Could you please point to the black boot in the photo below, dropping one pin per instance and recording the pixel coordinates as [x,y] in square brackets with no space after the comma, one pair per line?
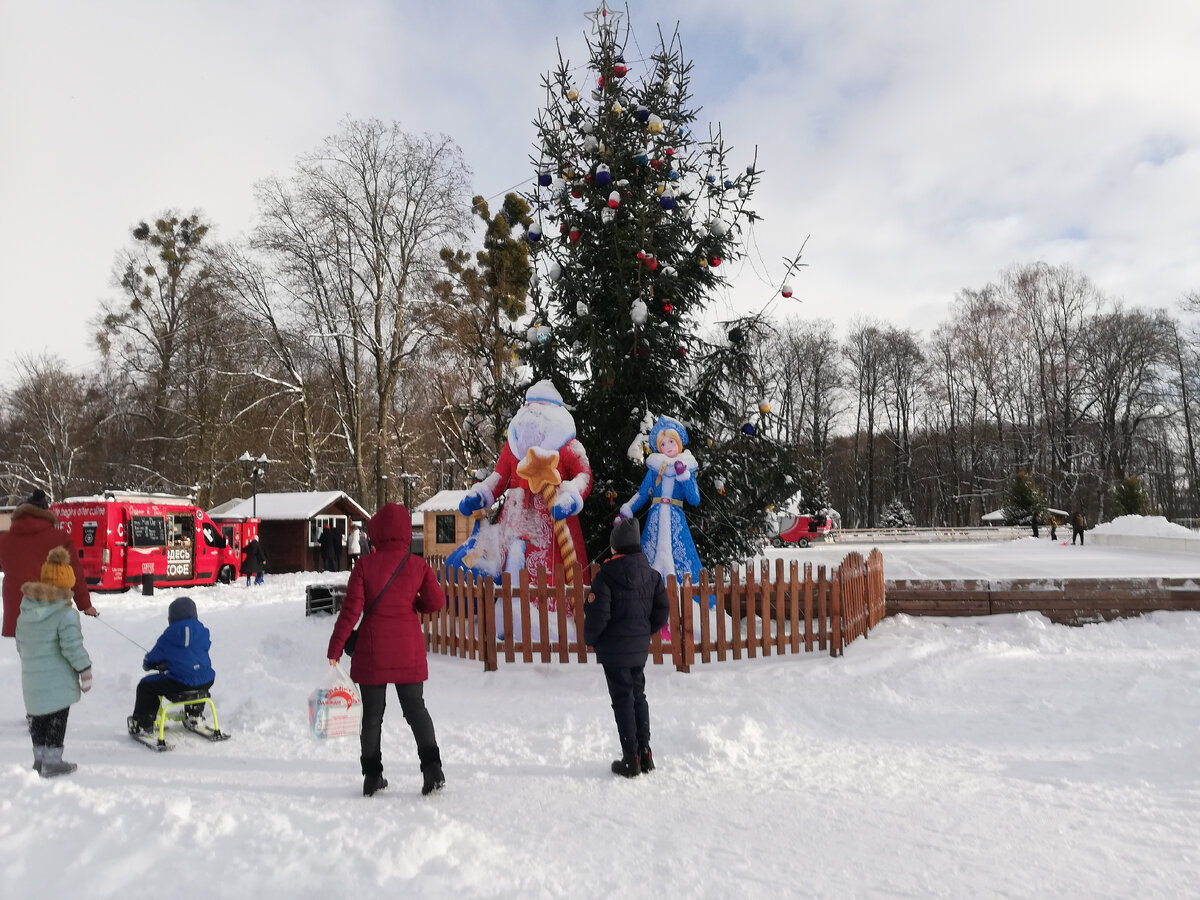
[646,760]
[627,766]
[373,780]
[431,769]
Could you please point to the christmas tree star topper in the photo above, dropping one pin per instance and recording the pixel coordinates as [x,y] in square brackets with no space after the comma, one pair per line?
[603,18]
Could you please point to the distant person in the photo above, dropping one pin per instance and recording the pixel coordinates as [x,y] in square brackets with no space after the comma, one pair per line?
[331,549]
[1053,520]
[55,669]
[254,562]
[355,542]
[391,589]
[1035,518]
[181,659]
[23,548]
[626,605]
[1078,524]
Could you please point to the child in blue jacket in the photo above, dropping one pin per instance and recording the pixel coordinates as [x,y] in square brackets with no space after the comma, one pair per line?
[181,658]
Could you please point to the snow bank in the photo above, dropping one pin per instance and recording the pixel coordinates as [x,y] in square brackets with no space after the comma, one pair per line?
[1151,533]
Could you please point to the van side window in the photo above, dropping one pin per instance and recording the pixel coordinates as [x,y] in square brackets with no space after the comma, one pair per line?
[147,531]
[212,537]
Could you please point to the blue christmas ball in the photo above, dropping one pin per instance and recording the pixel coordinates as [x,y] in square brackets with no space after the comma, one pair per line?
[642,114]
[666,201]
[749,428]
[712,179]
[544,179]
[672,174]
[603,178]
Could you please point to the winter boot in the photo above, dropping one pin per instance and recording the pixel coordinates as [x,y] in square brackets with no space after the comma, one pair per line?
[373,780]
[627,766]
[431,769]
[39,754]
[646,760]
[52,763]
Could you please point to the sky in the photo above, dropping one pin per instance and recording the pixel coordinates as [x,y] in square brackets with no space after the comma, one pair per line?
[1000,756]
[919,147]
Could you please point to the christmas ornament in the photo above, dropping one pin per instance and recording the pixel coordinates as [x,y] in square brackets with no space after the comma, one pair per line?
[654,124]
[749,428]
[572,95]
[607,215]
[749,170]
[718,227]
[544,179]
[614,199]
[703,262]
[651,263]
[764,407]
[669,270]
[715,261]
[555,271]
[638,312]
[581,309]
[603,175]
[667,200]
[718,482]
[642,114]
[573,235]
[611,497]
[590,144]
[534,234]
[642,158]
[786,290]
[617,109]
[670,151]
[668,308]
[641,255]
[619,70]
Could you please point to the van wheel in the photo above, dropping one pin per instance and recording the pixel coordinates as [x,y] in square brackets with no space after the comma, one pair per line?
[777,541]
[225,576]
[803,542]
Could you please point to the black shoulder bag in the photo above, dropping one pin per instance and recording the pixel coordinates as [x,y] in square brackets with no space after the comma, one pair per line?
[352,641]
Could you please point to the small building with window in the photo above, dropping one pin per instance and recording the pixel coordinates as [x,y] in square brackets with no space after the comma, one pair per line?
[444,526]
[291,522]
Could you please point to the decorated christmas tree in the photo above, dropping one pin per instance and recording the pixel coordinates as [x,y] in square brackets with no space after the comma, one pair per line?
[635,220]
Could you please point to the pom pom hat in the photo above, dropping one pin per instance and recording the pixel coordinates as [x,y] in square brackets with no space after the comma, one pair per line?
[626,536]
[57,571]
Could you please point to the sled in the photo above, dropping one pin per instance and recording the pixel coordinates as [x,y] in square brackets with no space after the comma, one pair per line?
[186,708]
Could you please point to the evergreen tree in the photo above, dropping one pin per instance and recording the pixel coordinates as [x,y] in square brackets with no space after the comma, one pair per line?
[1023,501]
[897,515]
[1130,498]
[635,220]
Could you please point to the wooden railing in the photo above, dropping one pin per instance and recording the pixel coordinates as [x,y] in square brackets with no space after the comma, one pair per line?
[758,609]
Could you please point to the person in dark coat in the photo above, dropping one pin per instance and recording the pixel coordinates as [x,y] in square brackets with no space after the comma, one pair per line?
[23,548]
[181,659]
[254,562]
[330,542]
[626,605]
[391,645]
[1078,524]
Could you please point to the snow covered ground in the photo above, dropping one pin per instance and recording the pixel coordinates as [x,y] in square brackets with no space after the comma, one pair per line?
[957,758]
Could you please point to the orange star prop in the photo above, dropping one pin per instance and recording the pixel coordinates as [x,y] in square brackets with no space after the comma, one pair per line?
[540,469]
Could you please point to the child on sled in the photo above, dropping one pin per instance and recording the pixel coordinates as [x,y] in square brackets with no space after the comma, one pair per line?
[180,657]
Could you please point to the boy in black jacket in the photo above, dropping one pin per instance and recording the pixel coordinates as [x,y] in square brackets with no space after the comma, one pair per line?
[627,604]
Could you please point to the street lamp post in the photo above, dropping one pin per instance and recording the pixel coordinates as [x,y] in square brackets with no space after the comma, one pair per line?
[254,469]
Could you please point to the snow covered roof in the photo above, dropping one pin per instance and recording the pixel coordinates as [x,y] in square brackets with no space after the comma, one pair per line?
[286,505]
[997,515]
[442,501]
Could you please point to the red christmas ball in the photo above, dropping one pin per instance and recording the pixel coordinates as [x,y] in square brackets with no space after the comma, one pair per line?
[670,151]
[573,235]
[651,263]
[619,70]
[668,308]
[715,261]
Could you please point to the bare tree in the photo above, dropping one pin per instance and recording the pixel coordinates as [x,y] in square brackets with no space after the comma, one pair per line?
[356,234]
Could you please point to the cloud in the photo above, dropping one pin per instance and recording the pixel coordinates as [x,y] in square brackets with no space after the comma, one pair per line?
[921,147]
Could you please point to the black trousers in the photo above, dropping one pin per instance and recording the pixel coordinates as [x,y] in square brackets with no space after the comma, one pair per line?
[412,704]
[627,689]
[329,562]
[49,730]
[1077,533]
[150,688]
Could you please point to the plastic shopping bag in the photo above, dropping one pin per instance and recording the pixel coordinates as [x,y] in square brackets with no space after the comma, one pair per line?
[335,708]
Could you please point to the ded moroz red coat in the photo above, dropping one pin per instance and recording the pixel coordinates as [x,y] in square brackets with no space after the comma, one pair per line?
[34,533]
[391,644]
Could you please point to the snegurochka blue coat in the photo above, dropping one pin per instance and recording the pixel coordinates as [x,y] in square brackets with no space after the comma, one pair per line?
[51,647]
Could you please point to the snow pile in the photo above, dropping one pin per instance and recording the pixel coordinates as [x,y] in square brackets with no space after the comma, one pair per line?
[999,756]
[1144,526]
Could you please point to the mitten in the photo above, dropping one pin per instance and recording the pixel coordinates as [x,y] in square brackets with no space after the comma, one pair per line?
[566,504]
[626,513]
[471,502]
[682,473]
[85,680]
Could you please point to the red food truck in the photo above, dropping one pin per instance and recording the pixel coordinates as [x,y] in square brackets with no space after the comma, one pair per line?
[124,537]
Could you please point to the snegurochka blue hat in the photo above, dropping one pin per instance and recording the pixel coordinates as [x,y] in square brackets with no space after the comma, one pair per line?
[666,423]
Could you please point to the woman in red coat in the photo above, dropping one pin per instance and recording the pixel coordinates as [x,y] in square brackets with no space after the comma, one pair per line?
[34,533]
[391,644]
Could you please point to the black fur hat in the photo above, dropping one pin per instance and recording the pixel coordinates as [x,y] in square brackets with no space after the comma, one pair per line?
[39,499]
[626,537]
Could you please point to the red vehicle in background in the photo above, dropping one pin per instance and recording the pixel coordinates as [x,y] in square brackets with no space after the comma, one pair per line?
[802,530]
[124,537]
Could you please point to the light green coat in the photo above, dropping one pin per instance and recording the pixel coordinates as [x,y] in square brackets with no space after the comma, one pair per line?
[51,646]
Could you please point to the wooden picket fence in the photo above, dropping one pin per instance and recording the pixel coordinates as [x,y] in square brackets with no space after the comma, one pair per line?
[757,612]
